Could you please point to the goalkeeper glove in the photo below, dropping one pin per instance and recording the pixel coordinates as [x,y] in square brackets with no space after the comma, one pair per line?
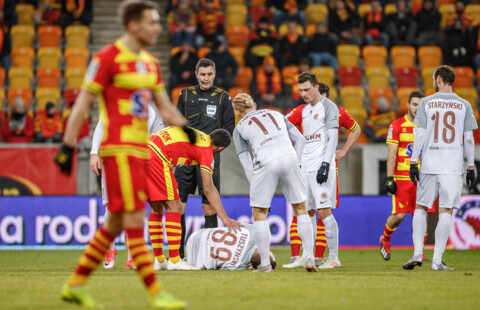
[414,175]
[64,159]
[322,174]
[192,135]
[390,185]
[471,180]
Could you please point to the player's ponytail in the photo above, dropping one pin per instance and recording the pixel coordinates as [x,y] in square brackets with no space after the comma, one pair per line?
[243,102]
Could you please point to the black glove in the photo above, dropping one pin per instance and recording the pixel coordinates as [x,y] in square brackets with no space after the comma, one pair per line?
[471,180]
[192,135]
[414,175]
[391,186]
[322,174]
[64,159]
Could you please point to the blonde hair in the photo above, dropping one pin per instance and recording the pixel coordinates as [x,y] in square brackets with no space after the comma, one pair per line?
[243,102]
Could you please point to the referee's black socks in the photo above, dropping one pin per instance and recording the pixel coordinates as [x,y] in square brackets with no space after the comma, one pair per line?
[211,221]
[182,242]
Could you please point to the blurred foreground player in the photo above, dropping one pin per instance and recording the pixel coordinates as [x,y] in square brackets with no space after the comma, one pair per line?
[126,78]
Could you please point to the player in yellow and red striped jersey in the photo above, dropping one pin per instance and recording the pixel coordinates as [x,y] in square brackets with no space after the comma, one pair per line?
[170,147]
[348,122]
[400,145]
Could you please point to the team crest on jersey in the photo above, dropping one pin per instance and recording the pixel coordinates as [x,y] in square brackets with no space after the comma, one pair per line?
[140,100]
[465,233]
[315,117]
[323,195]
[211,110]
[141,68]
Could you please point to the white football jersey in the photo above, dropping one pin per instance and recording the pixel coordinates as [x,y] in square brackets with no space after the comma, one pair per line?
[266,132]
[445,117]
[216,248]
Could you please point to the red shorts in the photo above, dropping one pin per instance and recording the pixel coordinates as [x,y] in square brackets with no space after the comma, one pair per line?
[161,182]
[404,201]
[125,180]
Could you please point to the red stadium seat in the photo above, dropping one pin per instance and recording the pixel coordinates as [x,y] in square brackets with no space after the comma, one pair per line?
[350,76]
[69,96]
[406,77]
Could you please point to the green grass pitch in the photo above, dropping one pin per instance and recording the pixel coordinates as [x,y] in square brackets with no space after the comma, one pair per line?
[32,280]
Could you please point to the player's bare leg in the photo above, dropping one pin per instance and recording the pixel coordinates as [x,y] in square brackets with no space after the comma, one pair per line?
[441,237]
[419,227]
[262,238]
[156,234]
[331,234]
[392,223]
[305,231]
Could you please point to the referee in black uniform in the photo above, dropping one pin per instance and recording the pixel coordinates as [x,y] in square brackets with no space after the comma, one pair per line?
[206,108]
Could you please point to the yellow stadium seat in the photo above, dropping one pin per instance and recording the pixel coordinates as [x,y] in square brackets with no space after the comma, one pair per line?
[45,95]
[25,94]
[244,77]
[22,36]
[429,56]
[311,29]
[352,97]
[48,77]
[390,8]
[325,75]
[403,56]
[237,35]
[49,57]
[24,13]
[316,13]
[469,94]
[376,93]
[347,55]
[473,12]
[283,30]
[378,77]
[333,94]
[236,15]
[231,2]
[22,57]
[20,77]
[76,57]
[402,98]
[446,10]
[463,77]
[74,77]
[238,53]
[289,73]
[360,115]
[374,56]
[2,77]
[49,36]
[77,36]
[363,9]
[427,76]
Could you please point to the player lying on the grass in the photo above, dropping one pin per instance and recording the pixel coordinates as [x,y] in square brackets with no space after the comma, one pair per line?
[221,249]
[170,147]
[269,135]
[154,123]
[349,123]
[444,127]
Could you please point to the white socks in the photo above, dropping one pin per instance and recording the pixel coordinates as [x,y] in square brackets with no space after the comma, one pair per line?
[314,226]
[441,236]
[262,238]
[105,217]
[419,227]
[304,228]
[331,234]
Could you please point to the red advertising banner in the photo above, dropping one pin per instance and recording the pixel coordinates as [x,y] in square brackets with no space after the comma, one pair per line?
[29,169]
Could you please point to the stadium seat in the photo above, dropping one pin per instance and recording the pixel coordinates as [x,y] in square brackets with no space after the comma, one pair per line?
[390,8]
[231,2]
[350,76]
[416,6]
[237,35]
[325,75]
[76,57]
[238,53]
[283,30]
[48,77]
[244,77]
[74,77]
[402,98]
[20,77]
[316,13]
[24,13]
[429,91]
[77,36]
[378,77]
[406,77]
[203,51]
[429,56]
[22,36]
[360,115]
[49,36]
[469,94]
[259,10]
[236,15]
[347,55]
[2,98]
[473,12]
[45,95]
[427,76]
[352,97]
[446,10]
[24,93]
[289,73]
[403,56]
[258,2]
[333,94]
[310,31]
[2,77]
[69,96]
[49,57]
[375,93]
[374,56]
[22,57]
[463,77]
[175,93]
[363,9]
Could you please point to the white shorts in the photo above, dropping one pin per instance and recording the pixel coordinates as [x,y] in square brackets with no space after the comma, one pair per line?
[265,180]
[447,186]
[321,196]
[104,188]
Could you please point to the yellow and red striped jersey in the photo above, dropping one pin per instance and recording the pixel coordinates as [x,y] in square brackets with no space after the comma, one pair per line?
[125,83]
[401,134]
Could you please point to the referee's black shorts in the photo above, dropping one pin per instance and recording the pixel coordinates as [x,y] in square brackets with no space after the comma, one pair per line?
[189,178]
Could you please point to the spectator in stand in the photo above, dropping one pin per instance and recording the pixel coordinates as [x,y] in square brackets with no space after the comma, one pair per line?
[459,14]
[474,43]
[84,130]
[303,66]
[77,11]
[267,84]
[18,126]
[456,45]
[225,64]
[292,46]
[263,40]
[374,24]
[428,23]
[9,14]
[182,67]
[401,26]
[344,23]
[377,125]
[283,10]
[182,23]
[49,11]
[210,25]
[322,47]
[48,125]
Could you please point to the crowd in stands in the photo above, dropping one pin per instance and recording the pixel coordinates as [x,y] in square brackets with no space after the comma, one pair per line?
[43,58]
[374,51]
